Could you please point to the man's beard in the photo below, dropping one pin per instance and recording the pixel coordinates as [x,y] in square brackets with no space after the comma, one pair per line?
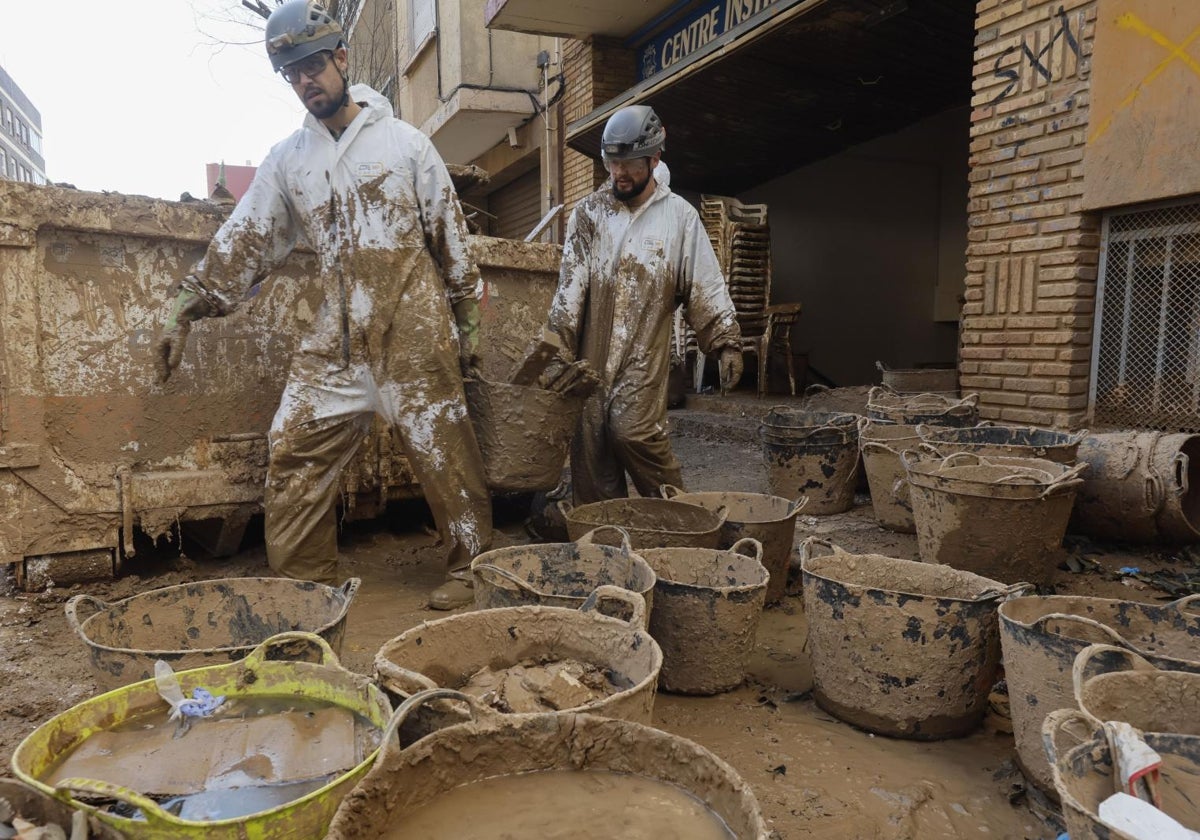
[332,106]
[632,192]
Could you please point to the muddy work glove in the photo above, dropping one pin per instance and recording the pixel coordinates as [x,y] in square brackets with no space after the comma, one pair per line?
[466,317]
[730,367]
[168,349]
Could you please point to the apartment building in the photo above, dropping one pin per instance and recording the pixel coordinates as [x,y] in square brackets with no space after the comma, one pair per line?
[21,157]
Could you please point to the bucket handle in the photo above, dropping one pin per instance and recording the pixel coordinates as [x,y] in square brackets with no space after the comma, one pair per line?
[1180,462]
[797,506]
[590,537]
[388,671]
[564,507]
[1039,626]
[807,544]
[1056,727]
[66,790]
[391,737]
[722,513]
[326,656]
[1065,483]
[1012,590]
[72,610]
[1085,657]
[748,547]
[1154,493]
[1186,601]
[669,491]
[485,569]
[635,602]
[866,446]
[350,588]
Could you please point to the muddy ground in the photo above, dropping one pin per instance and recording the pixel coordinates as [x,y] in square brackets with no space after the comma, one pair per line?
[814,776]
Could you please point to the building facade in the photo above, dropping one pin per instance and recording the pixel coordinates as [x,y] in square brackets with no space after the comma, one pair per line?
[1009,186]
[21,157]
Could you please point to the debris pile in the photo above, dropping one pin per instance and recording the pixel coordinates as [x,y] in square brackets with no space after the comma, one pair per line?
[531,686]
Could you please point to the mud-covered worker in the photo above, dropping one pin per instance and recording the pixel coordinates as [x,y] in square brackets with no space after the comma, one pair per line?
[634,251]
[372,197]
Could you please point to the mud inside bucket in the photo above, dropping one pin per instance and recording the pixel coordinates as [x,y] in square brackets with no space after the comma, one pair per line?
[206,623]
[452,652]
[515,774]
[650,523]
[1041,637]
[899,647]
[560,574]
[1083,774]
[769,519]
[707,609]
[523,433]
[1129,688]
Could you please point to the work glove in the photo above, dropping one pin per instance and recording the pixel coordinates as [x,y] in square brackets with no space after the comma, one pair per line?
[168,349]
[730,367]
[466,317]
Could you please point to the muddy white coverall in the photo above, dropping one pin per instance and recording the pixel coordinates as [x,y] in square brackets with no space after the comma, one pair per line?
[378,207]
[623,275]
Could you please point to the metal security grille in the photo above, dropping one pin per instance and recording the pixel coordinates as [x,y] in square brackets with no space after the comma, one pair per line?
[1146,362]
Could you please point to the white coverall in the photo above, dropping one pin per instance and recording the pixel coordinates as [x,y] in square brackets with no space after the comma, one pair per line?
[623,275]
[378,207]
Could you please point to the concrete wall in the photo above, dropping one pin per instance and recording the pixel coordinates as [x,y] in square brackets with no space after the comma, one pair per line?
[868,241]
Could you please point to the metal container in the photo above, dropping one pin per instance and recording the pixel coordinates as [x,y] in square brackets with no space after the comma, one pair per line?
[1082,767]
[881,444]
[898,647]
[260,674]
[1001,518]
[932,409]
[769,519]
[502,745]
[207,623]
[1140,487]
[1041,636]
[649,523]
[447,652]
[1005,441]
[707,608]
[559,574]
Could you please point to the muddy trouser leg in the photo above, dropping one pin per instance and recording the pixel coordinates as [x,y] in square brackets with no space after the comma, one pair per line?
[441,446]
[596,474]
[638,431]
[317,430]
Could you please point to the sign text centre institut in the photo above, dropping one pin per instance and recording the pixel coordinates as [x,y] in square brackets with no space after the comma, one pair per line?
[694,32]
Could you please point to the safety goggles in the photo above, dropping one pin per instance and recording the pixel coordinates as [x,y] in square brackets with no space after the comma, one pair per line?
[312,67]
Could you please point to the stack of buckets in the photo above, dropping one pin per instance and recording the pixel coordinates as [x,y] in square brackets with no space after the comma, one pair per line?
[813,454]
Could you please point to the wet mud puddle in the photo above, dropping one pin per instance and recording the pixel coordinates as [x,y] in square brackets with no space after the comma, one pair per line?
[251,755]
[561,804]
[533,686]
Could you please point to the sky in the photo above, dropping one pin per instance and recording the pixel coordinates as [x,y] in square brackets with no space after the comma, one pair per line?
[137,96]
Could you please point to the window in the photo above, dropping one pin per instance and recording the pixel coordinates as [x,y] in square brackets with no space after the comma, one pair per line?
[1146,359]
[35,142]
[422,19]
[7,117]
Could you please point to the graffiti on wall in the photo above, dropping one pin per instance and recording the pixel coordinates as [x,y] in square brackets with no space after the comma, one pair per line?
[1038,57]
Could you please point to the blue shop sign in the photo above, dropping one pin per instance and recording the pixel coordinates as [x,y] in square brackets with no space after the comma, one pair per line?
[694,32]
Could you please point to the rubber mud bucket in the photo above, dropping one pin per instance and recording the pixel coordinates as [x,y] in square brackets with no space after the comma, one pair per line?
[898,647]
[1134,691]
[517,765]
[40,809]
[449,652]
[523,433]
[1005,441]
[559,574]
[1083,773]
[707,608]
[1001,518]
[931,409]
[259,678]
[821,464]
[207,623]
[1140,487]
[783,421]
[940,381]
[1040,637]
[769,519]
[881,445]
[650,523]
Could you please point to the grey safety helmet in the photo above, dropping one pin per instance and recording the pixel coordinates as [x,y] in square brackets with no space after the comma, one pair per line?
[298,29]
[632,132]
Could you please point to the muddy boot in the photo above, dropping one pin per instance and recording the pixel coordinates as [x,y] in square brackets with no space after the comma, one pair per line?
[454,593]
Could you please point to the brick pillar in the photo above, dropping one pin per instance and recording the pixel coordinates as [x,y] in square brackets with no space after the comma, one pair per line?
[1032,254]
[596,70]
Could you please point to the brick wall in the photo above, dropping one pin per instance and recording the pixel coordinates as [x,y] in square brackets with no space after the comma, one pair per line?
[597,70]
[1032,253]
